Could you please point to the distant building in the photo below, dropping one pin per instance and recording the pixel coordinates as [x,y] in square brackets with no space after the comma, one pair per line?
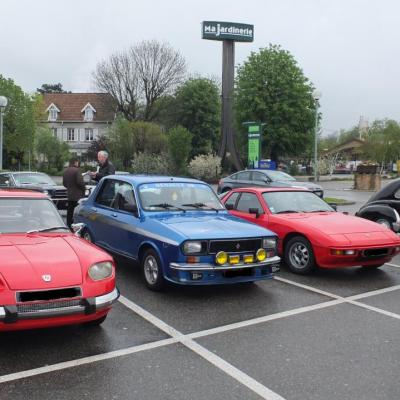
[79,118]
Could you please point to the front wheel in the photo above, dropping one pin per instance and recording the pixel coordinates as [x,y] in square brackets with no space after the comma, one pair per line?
[384,222]
[151,270]
[299,255]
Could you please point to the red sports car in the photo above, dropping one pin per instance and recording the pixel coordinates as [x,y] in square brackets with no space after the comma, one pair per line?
[311,233]
[48,276]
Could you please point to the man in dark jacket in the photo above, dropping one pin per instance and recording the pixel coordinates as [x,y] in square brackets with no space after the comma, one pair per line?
[73,181]
[105,167]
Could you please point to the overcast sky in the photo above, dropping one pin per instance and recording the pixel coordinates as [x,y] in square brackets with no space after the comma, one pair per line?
[349,49]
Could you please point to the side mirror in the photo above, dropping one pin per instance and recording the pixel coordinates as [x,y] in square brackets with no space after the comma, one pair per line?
[77,228]
[254,211]
[229,206]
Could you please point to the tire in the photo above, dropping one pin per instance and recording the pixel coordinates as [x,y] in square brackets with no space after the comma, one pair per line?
[152,271]
[299,255]
[384,222]
[374,266]
[87,236]
[96,322]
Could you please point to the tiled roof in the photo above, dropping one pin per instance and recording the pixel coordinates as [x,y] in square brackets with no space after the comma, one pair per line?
[71,105]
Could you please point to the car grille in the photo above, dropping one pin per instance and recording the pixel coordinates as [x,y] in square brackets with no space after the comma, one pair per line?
[48,305]
[372,253]
[235,246]
[47,295]
[59,194]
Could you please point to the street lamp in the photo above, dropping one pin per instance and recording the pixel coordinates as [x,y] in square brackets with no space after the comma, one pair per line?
[3,104]
[316,96]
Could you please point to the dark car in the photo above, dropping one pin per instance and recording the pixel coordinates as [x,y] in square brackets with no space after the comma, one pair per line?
[36,181]
[265,178]
[384,206]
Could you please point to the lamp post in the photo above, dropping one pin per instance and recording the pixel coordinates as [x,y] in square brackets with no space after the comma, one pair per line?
[316,96]
[3,104]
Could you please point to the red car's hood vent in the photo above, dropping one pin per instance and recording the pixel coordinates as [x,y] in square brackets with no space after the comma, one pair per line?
[35,262]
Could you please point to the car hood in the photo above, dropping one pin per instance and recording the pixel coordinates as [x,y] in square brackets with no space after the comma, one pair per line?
[205,225]
[345,229]
[26,258]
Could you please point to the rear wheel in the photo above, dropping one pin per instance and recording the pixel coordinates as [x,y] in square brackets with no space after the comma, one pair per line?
[151,270]
[384,222]
[87,236]
[299,255]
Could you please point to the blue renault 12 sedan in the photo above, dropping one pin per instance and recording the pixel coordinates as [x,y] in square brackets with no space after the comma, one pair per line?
[178,231]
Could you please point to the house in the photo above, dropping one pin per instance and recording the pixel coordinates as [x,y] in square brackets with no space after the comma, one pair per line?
[79,118]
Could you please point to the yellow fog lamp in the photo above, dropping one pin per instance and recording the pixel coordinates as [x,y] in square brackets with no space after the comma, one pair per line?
[221,258]
[261,255]
[234,259]
[248,258]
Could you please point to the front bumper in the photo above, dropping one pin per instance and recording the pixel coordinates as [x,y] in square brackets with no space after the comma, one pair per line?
[13,313]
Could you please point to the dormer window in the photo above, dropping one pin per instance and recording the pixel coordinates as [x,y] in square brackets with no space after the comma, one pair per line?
[53,111]
[89,112]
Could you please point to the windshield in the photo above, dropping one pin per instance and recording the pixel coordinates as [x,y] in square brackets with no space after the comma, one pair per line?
[280,176]
[176,196]
[33,179]
[281,202]
[23,215]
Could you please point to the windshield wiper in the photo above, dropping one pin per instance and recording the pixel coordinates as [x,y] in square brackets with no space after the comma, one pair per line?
[287,212]
[200,205]
[47,229]
[167,206]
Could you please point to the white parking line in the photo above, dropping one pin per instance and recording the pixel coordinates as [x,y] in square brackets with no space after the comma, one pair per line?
[217,361]
[392,265]
[86,360]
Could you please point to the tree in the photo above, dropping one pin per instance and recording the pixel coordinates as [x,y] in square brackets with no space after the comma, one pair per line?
[198,110]
[271,88]
[179,146]
[97,145]
[51,88]
[130,137]
[138,77]
[19,123]
[52,152]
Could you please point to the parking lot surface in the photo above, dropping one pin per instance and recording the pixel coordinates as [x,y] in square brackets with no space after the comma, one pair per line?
[331,335]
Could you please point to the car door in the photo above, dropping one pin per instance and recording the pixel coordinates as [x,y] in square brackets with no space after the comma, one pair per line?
[260,179]
[243,179]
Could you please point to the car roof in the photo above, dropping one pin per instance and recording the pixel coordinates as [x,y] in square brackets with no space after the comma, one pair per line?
[22,172]
[21,193]
[139,179]
[269,189]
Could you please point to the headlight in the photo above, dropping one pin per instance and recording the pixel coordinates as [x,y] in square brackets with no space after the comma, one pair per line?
[269,243]
[193,247]
[261,255]
[221,258]
[101,270]
[45,191]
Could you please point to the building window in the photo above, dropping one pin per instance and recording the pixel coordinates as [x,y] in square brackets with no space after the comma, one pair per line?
[70,134]
[53,114]
[88,114]
[88,134]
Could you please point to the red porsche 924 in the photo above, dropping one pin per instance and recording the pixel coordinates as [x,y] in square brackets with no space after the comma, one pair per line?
[48,276]
[311,233]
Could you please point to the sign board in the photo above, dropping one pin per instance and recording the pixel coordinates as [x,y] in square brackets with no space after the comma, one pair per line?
[214,30]
[266,164]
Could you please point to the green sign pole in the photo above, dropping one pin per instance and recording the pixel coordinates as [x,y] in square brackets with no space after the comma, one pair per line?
[254,131]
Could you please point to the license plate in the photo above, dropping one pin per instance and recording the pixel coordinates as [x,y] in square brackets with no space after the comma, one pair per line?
[275,268]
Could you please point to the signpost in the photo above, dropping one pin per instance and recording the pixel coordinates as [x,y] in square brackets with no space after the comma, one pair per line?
[229,33]
[254,131]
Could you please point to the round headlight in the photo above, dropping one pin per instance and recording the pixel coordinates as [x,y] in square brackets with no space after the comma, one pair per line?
[221,258]
[45,191]
[102,270]
[261,255]
[192,247]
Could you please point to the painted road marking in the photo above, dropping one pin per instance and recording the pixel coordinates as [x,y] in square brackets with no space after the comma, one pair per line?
[392,265]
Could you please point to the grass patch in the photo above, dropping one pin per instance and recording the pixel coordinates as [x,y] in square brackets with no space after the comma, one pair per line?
[339,202]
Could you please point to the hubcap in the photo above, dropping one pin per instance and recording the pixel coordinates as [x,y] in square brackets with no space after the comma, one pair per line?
[383,222]
[151,270]
[299,255]
[87,237]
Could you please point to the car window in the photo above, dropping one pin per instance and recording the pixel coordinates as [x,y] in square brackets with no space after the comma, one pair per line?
[5,180]
[234,176]
[232,200]
[258,176]
[107,192]
[248,200]
[124,198]
[243,176]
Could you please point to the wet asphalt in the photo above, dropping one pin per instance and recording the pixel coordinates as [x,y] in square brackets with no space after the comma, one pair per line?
[295,337]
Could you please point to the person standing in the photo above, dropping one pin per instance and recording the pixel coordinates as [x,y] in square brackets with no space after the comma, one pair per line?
[105,167]
[73,181]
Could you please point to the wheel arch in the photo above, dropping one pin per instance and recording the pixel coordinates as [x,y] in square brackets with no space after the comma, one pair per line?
[150,246]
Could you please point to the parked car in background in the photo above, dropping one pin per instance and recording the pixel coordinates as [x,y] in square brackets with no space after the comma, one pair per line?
[265,178]
[384,206]
[48,276]
[311,233]
[36,181]
[177,230]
